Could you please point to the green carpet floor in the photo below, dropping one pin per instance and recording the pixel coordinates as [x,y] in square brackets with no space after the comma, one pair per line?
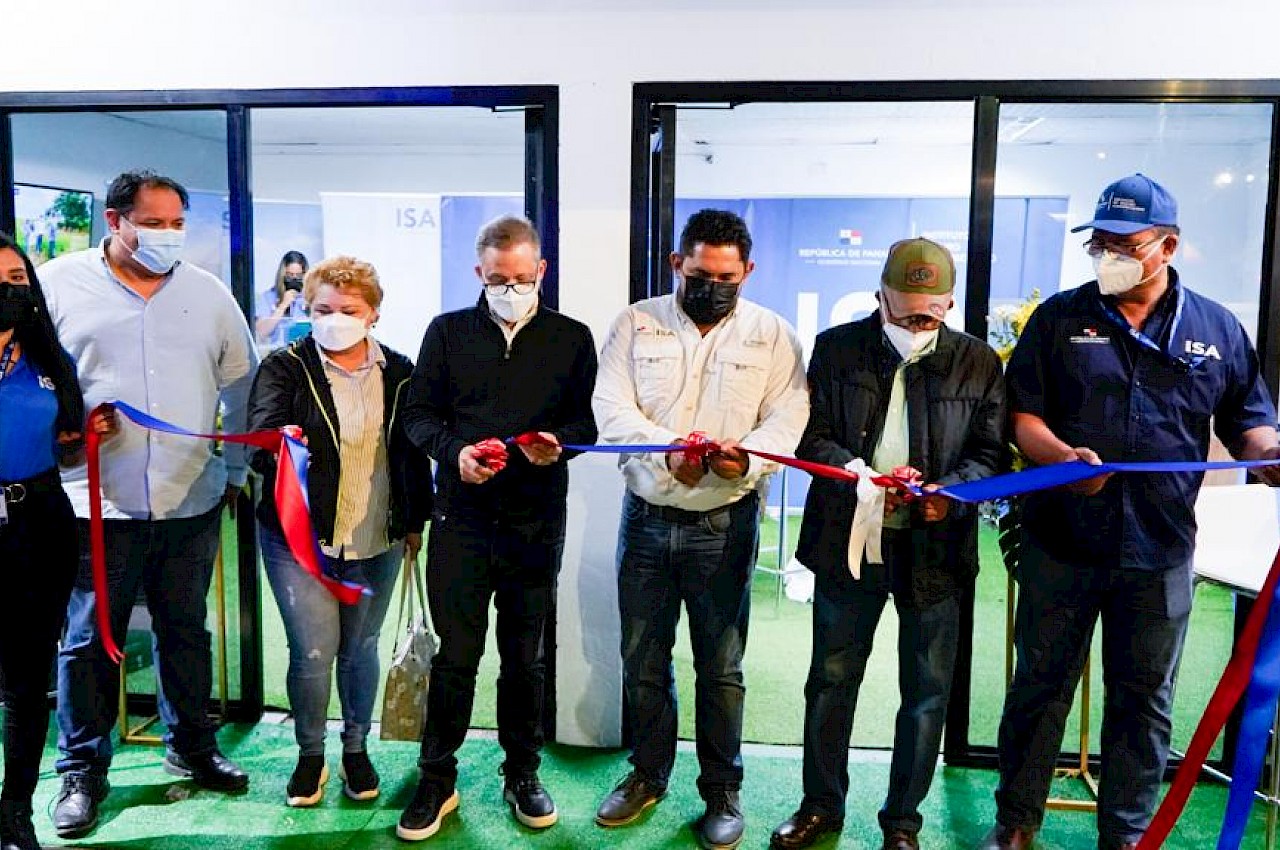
[150,810]
[777,659]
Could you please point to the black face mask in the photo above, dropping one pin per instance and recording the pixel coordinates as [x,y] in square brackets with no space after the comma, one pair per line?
[294,283]
[708,301]
[17,306]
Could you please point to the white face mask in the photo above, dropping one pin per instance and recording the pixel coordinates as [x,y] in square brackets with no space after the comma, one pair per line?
[908,343]
[158,251]
[338,331]
[510,306]
[1118,274]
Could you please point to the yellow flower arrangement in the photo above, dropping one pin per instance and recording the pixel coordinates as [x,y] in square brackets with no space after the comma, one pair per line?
[1007,324]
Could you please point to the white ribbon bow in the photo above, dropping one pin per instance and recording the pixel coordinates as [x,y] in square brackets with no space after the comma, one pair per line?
[868,518]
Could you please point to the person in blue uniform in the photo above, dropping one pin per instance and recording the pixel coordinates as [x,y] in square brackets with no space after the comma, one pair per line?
[1132,366]
[41,420]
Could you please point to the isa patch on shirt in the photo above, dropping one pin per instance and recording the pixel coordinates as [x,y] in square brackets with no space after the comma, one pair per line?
[1089,336]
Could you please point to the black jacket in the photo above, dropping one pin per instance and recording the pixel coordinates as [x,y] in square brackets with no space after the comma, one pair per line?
[467,386]
[291,389]
[956,432]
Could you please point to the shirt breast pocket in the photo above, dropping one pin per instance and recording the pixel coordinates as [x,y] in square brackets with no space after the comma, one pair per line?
[1194,392]
[742,375]
[658,370]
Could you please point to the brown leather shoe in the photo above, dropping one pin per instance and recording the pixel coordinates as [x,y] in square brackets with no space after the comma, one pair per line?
[1003,837]
[803,829]
[900,839]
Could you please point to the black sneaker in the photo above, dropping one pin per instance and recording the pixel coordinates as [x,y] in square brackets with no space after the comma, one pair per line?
[75,811]
[17,832]
[431,802]
[721,826]
[628,800]
[359,779]
[529,801]
[306,786]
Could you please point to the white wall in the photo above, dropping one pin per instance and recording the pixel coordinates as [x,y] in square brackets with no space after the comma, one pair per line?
[594,50]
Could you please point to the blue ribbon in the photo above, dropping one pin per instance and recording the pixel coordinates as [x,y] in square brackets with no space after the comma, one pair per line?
[1002,486]
[299,458]
[1255,729]
[1059,474]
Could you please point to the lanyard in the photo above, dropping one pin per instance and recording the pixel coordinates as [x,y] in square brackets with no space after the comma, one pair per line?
[8,356]
[1147,342]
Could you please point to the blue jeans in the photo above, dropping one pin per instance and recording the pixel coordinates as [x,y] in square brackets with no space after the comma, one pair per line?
[172,561]
[845,614]
[1144,623]
[708,565]
[319,628]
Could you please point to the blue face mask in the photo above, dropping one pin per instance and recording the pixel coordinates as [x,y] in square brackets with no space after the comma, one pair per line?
[158,251]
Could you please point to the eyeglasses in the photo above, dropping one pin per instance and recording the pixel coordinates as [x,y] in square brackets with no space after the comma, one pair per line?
[1095,247]
[916,321]
[519,287]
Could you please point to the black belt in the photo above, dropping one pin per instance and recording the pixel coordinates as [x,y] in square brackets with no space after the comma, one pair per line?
[679,516]
[16,492]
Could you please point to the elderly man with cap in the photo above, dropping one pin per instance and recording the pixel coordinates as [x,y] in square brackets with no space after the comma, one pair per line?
[1133,366]
[898,388]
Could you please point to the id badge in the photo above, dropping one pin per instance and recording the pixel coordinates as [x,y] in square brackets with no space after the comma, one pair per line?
[4,507]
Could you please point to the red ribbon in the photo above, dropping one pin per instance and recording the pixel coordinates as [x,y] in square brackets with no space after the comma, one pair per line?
[1234,682]
[492,452]
[98,545]
[291,507]
[697,449]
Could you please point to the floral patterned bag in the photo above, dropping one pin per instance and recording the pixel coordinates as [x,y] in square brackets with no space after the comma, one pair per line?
[404,700]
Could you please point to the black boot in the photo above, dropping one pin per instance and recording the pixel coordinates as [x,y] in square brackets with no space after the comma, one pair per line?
[16,830]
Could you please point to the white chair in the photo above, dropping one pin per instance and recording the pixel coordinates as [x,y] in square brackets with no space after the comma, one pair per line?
[1239,532]
[1238,535]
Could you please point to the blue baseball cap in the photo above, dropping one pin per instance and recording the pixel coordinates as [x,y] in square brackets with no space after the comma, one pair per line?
[1132,204]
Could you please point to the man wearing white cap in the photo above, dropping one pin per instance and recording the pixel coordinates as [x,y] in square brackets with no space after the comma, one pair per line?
[1132,366]
[898,388]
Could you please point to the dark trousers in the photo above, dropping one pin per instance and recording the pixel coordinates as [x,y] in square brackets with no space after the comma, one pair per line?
[38,560]
[172,561]
[845,614]
[1144,623]
[707,565]
[470,561]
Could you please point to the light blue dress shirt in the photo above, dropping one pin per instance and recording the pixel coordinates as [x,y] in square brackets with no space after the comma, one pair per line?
[175,356]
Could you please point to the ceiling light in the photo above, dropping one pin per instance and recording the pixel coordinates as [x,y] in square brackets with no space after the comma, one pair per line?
[1224,178]
[1022,126]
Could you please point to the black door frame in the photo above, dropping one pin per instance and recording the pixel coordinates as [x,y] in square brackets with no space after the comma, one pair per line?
[541,105]
[652,186]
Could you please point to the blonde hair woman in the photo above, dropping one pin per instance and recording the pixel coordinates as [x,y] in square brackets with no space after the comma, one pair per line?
[370,494]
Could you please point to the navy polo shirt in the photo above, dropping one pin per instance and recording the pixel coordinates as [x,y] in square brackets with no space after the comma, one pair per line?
[28,416]
[1078,367]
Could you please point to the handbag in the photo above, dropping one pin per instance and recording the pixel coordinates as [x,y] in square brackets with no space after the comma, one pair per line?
[404,698]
